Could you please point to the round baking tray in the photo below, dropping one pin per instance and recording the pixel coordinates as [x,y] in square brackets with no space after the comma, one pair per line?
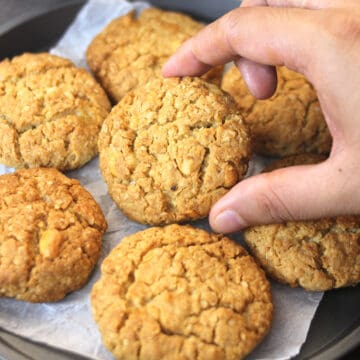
[335,329]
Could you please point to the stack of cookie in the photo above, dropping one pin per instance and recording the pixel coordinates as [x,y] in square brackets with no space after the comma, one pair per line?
[50,227]
[168,149]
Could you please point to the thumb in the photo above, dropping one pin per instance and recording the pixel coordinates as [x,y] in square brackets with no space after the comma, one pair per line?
[293,193]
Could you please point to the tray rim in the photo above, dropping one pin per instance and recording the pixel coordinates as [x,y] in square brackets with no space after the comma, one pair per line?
[31,15]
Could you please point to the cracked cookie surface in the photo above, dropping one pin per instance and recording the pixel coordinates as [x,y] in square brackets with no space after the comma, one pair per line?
[171,148]
[50,235]
[131,50]
[290,122]
[179,292]
[316,255]
[51,112]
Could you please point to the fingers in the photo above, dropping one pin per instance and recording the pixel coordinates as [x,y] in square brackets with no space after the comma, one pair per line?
[305,4]
[260,79]
[185,63]
[301,192]
[271,36]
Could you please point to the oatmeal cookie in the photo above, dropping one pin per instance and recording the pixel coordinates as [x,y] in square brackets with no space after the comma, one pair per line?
[316,255]
[181,293]
[50,112]
[290,122]
[171,148]
[50,235]
[131,50]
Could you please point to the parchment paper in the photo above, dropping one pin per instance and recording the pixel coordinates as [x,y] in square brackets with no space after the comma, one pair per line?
[68,324]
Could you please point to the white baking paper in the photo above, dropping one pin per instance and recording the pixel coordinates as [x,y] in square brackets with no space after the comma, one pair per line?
[68,324]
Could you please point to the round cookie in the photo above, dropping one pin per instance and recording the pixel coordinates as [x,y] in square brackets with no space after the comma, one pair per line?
[50,235]
[171,148]
[317,255]
[50,112]
[290,122]
[181,293]
[132,49]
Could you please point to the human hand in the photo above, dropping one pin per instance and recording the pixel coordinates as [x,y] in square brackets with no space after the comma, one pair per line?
[321,40]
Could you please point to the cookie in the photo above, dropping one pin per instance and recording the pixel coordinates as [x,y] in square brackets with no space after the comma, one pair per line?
[50,112]
[50,235]
[181,293]
[171,148]
[316,255]
[132,49]
[289,123]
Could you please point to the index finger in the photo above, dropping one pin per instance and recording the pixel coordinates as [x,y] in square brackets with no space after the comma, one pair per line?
[266,35]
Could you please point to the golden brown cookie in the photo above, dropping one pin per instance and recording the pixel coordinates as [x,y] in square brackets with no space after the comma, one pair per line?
[131,50]
[171,148]
[50,235]
[181,293]
[316,255]
[50,112]
[290,122]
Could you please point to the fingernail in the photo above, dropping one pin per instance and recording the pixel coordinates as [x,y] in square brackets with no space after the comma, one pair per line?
[228,221]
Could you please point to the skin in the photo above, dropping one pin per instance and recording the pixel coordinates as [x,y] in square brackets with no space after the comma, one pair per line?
[321,40]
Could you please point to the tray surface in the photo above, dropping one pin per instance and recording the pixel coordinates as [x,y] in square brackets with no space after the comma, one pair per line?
[335,329]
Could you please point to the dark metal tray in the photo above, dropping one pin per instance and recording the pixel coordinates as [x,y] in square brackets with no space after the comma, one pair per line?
[335,330]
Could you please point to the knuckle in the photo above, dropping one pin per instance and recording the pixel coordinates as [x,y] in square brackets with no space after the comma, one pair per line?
[230,26]
[341,25]
[230,20]
[270,202]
